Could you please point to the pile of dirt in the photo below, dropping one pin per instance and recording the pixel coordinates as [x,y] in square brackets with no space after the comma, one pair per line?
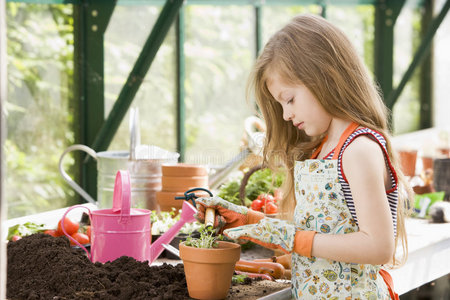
[44,267]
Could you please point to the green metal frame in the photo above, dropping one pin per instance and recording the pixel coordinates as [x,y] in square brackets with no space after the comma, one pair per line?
[91,19]
[180,66]
[426,71]
[258,29]
[386,13]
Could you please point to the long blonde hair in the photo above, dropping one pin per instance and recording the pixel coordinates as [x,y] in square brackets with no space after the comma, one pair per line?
[311,51]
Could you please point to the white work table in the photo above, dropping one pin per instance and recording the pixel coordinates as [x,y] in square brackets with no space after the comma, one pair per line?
[428,258]
[428,255]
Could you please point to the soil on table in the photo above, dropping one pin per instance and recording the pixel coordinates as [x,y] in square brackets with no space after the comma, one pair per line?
[257,289]
[44,267]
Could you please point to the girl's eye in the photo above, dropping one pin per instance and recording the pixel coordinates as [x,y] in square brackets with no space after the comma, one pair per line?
[290,101]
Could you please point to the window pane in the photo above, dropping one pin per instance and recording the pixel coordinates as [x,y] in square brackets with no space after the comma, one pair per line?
[156,96]
[406,112]
[358,24]
[441,67]
[275,17]
[40,106]
[220,49]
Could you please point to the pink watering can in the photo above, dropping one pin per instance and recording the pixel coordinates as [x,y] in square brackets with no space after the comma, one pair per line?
[126,231]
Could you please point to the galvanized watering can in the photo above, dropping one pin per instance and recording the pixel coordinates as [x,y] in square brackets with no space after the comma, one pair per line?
[142,161]
[145,175]
[126,231]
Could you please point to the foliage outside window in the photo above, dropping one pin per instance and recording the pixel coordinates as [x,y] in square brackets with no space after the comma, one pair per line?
[39,111]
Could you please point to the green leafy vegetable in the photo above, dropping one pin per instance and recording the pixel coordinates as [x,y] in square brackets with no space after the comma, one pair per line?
[262,181]
[25,229]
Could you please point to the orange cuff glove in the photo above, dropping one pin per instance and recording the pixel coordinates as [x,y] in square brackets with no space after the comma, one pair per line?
[275,234]
[303,242]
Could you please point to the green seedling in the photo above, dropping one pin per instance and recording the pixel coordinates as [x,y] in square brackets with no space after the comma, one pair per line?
[207,239]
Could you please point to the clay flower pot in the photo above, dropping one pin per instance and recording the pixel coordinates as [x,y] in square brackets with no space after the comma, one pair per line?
[408,162]
[209,271]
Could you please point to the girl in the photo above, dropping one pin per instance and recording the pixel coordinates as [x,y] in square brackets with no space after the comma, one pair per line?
[342,212]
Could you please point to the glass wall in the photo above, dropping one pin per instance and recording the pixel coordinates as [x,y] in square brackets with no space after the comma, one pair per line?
[406,112]
[219,49]
[156,96]
[39,111]
[441,66]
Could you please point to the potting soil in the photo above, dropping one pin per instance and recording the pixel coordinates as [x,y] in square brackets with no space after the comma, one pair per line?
[44,267]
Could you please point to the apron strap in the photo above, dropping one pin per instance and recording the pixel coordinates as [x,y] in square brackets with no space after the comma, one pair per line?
[390,284]
[317,151]
[347,132]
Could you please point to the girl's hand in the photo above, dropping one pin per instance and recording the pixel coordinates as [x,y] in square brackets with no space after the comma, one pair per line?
[228,215]
[275,234]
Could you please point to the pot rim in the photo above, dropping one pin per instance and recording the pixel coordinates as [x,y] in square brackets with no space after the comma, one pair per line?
[230,252]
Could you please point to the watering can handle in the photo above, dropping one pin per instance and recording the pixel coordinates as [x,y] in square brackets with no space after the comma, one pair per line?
[71,238]
[122,195]
[66,176]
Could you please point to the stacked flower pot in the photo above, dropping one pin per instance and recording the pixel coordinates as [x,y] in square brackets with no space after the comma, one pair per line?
[176,180]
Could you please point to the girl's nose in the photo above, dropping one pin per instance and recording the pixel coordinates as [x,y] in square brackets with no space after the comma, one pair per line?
[287,115]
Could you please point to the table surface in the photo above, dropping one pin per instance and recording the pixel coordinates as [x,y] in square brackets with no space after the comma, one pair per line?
[428,255]
[428,247]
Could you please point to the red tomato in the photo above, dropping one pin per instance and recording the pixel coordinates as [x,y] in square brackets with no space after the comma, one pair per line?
[88,231]
[70,226]
[271,208]
[80,238]
[51,232]
[265,198]
[257,205]
[15,238]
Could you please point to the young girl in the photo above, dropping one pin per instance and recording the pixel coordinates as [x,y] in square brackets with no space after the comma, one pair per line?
[342,211]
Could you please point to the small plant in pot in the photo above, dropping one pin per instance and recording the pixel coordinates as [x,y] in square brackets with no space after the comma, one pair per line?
[208,264]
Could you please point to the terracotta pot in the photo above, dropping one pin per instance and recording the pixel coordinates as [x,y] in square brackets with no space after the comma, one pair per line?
[184,170]
[209,271]
[444,151]
[423,189]
[178,184]
[408,162]
[427,162]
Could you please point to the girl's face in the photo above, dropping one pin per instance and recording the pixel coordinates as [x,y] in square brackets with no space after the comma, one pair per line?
[299,106]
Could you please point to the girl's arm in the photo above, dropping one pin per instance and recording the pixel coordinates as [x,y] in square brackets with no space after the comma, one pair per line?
[365,169]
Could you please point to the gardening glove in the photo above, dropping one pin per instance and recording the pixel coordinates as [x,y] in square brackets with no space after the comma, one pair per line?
[228,215]
[275,234]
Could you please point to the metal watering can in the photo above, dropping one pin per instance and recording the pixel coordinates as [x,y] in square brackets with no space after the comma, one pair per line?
[126,231]
[145,175]
[142,161]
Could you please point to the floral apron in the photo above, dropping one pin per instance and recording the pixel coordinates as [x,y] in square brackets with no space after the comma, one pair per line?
[321,207]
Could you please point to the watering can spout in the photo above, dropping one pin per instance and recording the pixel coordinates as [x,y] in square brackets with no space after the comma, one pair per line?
[187,216]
